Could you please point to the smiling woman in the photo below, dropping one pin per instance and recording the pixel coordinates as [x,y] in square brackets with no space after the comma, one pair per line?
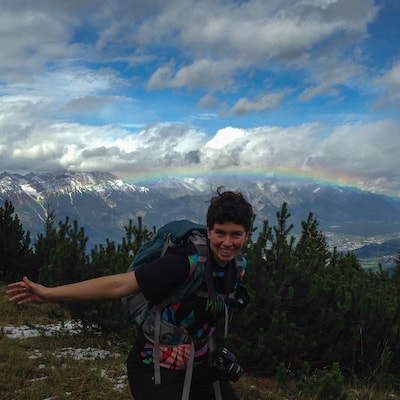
[226,241]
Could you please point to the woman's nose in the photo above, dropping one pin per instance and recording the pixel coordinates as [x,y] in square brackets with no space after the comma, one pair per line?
[227,240]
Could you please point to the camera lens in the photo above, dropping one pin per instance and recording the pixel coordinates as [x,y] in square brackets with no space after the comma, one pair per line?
[224,363]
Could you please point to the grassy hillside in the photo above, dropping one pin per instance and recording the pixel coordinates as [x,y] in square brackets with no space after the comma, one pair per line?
[46,364]
[47,367]
[64,364]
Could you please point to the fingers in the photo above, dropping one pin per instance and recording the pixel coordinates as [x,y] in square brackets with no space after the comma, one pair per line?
[16,285]
[22,298]
[15,289]
[28,283]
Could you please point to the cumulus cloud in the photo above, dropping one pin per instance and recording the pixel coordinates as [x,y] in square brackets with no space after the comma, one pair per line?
[368,151]
[208,101]
[200,73]
[364,149]
[264,102]
[389,81]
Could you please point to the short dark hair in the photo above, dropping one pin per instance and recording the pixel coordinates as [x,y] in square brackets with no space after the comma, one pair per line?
[229,206]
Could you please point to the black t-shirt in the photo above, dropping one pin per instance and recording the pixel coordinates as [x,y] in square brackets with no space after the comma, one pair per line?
[196,315]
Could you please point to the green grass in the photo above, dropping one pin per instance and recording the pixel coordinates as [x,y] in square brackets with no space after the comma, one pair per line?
[43,368]
[30,370]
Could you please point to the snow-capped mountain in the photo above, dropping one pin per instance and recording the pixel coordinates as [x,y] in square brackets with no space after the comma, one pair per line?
[103,204]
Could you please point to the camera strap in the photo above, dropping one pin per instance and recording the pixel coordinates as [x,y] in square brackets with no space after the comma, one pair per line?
[214,296]
[214,340]
[217,386]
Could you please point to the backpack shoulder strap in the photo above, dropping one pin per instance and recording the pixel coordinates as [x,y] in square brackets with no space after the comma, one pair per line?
[190,286]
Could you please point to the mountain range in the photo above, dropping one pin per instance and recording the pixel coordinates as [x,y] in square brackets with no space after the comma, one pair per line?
[103,204]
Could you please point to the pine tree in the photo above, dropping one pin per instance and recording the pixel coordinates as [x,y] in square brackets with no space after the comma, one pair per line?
[112,259]
[265,319]
[62,250]
[16,256]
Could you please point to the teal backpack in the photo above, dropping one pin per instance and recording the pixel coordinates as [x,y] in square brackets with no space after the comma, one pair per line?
[173,234]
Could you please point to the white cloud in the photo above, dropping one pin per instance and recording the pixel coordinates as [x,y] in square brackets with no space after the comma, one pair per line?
[391,78]
[208,101]
[264,102]
[29,38]
[201,73]
[368,151]
[224,137]
[389,82]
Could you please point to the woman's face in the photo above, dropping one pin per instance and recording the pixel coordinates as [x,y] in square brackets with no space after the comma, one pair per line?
[226,241]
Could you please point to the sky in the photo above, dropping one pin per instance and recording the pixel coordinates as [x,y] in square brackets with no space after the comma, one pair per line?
[306,89]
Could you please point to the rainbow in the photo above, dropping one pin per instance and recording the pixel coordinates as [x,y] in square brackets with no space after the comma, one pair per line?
[283,174]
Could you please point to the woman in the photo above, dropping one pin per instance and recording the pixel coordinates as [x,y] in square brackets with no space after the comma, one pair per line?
[229,219]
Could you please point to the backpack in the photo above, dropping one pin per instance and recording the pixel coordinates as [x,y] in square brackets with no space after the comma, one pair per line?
[148,317]
[171,235]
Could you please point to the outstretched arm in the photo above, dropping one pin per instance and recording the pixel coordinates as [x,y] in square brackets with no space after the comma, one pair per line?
[106,287]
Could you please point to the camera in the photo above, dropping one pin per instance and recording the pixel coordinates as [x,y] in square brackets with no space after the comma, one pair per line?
[223,362]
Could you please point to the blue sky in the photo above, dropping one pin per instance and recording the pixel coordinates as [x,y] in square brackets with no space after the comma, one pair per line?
[307,88]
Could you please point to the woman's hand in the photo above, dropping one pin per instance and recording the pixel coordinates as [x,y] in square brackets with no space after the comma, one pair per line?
[26,291]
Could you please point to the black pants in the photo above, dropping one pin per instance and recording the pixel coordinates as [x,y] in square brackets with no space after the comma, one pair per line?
[141,382]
